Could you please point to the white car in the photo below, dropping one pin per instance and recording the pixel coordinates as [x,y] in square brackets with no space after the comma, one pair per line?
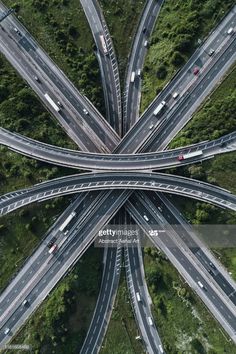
[6,331]
[145,217]
[85,111]
[175,95]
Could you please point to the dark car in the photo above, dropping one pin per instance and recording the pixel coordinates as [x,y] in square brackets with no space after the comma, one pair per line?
[51,243]
[212,265]
[196,70]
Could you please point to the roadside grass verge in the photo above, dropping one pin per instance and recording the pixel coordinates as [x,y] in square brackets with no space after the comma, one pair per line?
[184,324]
[67,311]
[122,19]
[179,27]
[122,330]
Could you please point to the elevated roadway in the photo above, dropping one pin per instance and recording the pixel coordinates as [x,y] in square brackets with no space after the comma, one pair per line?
[80,119]
[107,63]
[42,270]
[138,52]
[111,162]
[116,180]
[167,240]
[192,90]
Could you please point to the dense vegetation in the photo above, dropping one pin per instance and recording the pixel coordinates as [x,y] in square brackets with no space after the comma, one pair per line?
[122,328]
[69,42]
[67,313]
[215,118]
[184,323]
[179,27]
[121,17]
[61,28]
[72,49]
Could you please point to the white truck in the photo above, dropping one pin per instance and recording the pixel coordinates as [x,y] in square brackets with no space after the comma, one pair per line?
[66,222]
[138,297]
[52,103]
[104,45]
[132,76]
[190,155]
[159,108]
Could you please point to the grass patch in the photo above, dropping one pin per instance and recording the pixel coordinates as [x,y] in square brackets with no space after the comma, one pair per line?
[122,330]
[122,20]
[179,26]
[215,117]
[62,30]
[67,312]
[20,233]
[176,307]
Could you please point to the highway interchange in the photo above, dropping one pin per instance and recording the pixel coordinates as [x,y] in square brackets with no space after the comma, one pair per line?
[99,207]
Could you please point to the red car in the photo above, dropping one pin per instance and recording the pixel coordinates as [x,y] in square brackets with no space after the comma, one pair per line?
[181,157]
[196,70]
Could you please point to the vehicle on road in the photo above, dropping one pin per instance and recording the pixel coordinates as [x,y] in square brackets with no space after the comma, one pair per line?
[190,155]
[159,108]
[52,103]
[212,265]
[230,31]
[210,272]
[51,242]
[36,78]
[53,249]
[138,297]
[59,104]
[200,284]
[150,321]
[132,77]
[160,348]
[151,126]
[104,45]
[67,221]
[6,330]
[85,111]
[146,44]
[17,31]
[211,52]
[25,302]
[196,70]
[175,95]
[139,72]
[145,217]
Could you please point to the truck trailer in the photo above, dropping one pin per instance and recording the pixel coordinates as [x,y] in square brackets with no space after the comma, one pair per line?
[190,155]
[159,108]
[52,103]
